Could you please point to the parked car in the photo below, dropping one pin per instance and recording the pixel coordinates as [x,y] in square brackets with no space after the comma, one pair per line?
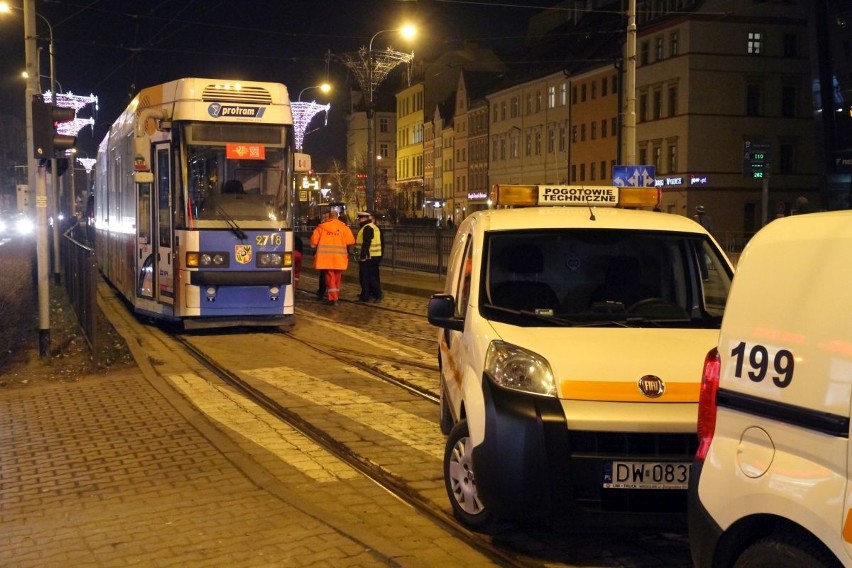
[771,484]
[570,347]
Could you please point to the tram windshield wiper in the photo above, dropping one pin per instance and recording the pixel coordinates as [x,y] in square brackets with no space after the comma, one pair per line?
[231,223]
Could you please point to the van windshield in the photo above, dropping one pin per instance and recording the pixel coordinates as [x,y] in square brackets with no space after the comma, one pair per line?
[603,277]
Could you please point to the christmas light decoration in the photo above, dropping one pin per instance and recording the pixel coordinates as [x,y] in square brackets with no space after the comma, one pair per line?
[77,102]
[303,112]
[87,163]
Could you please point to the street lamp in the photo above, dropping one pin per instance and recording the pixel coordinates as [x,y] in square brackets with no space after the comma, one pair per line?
[34,179]
[325,88]
[371,69]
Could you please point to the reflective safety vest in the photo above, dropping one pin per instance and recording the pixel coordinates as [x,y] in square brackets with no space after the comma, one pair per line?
[375,244]
[331,239]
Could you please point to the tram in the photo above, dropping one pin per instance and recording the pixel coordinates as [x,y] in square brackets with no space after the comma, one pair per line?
[193,203]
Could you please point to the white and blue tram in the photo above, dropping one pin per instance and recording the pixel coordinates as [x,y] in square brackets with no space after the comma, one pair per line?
[193,204]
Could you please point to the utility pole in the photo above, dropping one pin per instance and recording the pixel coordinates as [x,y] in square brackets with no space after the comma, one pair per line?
[630,87]
[36,178]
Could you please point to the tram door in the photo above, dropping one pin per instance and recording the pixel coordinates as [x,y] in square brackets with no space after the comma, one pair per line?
[144,263]
[163,226]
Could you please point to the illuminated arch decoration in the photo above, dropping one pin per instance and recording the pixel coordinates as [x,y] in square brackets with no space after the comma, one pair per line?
[77,102]
[87,163]
[303,112]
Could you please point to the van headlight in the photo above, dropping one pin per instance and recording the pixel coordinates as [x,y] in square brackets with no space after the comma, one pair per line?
[515,368]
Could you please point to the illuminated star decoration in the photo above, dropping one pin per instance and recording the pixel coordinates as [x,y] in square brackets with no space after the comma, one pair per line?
[77,102]
[303,112]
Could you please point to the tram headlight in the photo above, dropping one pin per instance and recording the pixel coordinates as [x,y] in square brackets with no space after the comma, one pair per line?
[207,259]
[270,260]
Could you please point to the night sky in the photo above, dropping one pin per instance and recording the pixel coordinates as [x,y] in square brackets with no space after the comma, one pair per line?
[113,48]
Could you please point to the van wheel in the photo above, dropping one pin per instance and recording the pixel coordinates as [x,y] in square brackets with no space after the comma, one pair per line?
[446,417]
[460,481]
[785,551]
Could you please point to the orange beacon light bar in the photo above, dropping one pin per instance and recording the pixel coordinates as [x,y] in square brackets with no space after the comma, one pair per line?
[575,195]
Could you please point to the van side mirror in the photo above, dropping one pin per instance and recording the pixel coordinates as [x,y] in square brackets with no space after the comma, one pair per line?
[441,312]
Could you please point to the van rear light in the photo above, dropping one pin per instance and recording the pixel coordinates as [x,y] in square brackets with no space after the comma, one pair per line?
[707,403]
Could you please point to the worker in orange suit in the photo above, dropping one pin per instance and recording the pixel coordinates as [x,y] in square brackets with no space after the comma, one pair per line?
[332,240]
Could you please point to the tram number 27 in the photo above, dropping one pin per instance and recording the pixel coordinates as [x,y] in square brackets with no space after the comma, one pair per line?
[270,239]
[757,357]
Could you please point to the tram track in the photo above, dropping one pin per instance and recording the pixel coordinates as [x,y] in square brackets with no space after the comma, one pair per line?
[380,476]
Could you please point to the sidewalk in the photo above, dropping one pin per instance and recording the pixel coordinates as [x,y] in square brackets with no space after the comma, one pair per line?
[123,470]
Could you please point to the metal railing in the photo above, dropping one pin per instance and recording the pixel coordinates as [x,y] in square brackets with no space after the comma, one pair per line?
[80,269]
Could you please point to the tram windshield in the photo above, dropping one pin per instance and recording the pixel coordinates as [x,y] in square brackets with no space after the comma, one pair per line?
[245,180]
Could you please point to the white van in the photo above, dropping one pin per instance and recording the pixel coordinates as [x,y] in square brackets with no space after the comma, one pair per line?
[572,336]
[771,485]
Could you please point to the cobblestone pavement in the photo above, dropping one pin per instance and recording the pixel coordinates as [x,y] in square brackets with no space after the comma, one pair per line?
[126,470]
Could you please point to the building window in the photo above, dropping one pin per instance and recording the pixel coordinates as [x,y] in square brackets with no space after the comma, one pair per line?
[658,104]
[502,148]
[383,124]
[551,139]
[528,145]
[574,133]
[791,45]
[785,159]
[672,158]
[754,46]
[643,155]
[674,44]
[658,158]
[643,108]
[582,172]
[603,128]
[573,172]
[384,150]
[753,96]
[594,130]
[583,132]
[538,143]
[563,94]
[503,110]
[644,51]
[672,101]
[594,89]
[516,107]
[788,101]
[529,104]
[583,93]
[562,137]
[513,148]
[604,86]
[551,96]
[593,170]
[603,169]
[538,101]
[658,48]
[574,95]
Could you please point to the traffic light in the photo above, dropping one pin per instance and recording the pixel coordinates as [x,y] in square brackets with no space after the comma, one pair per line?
[46,117]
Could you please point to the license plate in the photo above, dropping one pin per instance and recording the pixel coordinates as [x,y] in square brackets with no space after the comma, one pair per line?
[646,475]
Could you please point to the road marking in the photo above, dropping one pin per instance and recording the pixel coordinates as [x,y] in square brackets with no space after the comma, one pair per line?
[410,429]
[241,415]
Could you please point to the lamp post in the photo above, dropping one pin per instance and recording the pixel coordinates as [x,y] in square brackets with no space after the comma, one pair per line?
[325,88]
[371,69]
[36,179]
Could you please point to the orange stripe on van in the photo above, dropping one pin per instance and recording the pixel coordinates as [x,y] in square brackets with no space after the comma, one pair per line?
[626,392]
[847,527]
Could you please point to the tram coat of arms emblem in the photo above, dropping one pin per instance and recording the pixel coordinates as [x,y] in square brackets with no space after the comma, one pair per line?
[242,253]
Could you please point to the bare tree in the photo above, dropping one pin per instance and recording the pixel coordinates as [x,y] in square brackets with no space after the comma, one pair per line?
[344,184]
